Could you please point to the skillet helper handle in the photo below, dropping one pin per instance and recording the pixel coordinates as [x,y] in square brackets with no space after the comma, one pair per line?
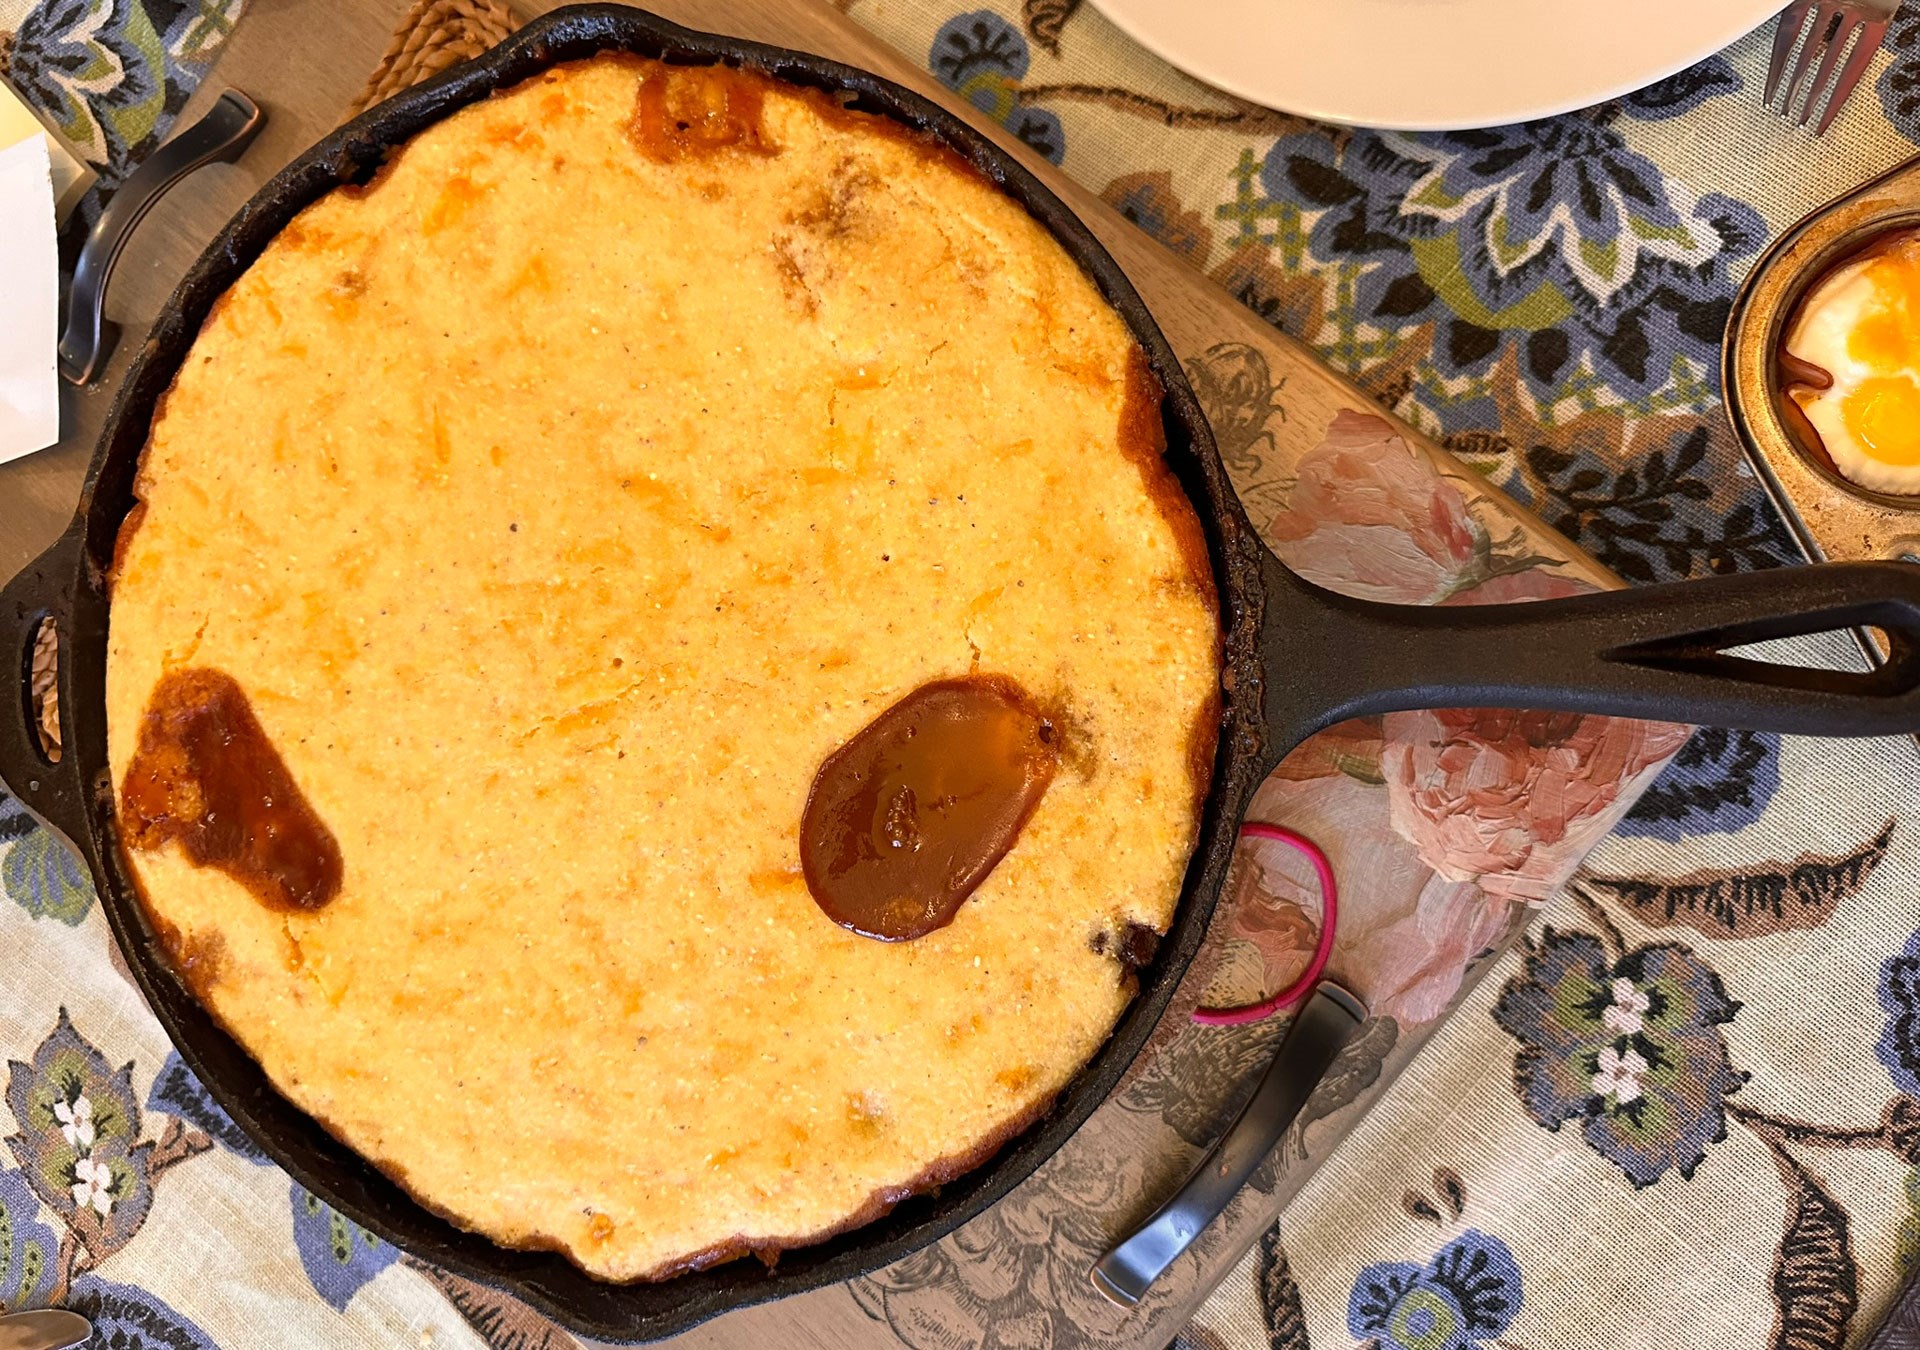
[222,134]
[1653,652]
[1323,1027]
[52,791]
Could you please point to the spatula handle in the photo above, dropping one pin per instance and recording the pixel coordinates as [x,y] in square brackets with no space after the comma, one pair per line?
[1324,1026]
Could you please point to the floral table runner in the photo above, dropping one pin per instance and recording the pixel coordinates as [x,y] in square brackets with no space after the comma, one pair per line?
[111,75]
[1685,1112]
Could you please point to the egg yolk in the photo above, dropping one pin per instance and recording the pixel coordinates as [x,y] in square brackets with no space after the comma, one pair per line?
[1883,410]
[1887,336]
[1883,413]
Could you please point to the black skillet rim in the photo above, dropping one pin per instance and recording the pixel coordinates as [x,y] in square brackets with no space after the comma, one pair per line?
[546,1280]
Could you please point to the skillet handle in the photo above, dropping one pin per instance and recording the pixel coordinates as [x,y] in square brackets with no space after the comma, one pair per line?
[1654,652]
[55,793]
[222,134]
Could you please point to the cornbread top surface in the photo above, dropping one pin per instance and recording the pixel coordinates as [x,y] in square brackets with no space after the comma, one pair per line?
[560,502]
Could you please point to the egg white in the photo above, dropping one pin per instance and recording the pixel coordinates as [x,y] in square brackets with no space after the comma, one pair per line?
[1827,319]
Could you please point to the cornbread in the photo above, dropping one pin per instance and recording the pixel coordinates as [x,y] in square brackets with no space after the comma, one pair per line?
[559,503]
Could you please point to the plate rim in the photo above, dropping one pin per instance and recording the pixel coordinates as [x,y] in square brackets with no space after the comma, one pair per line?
[1126,15]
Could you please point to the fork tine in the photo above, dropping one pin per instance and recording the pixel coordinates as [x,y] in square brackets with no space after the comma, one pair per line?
[1829,62]
[1784,33]
[1863,49]
[1823,19]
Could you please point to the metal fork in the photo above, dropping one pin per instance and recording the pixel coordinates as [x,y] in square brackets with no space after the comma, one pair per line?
[1834,22]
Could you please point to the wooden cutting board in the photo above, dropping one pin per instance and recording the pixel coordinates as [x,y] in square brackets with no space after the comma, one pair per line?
[1025,1261]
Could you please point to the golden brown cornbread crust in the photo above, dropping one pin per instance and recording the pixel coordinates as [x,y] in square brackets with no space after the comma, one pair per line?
[561,506]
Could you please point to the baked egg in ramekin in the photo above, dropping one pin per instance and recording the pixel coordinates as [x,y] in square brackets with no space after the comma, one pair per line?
[1850,365]
[1821,372]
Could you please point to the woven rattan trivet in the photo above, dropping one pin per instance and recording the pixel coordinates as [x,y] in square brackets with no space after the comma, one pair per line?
[433,35]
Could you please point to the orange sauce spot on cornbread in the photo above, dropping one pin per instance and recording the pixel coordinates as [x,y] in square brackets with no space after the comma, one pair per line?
[206,776]
[690,112]
[908,818]
[1017,1079]
[775,879]
[455,200]
[535,276]
[860,377]
[517,135]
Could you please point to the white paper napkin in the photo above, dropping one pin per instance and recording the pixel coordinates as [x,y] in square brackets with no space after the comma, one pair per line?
[29,301]
[71,178]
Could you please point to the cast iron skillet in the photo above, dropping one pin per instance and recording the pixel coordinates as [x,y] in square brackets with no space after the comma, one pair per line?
[1297,659]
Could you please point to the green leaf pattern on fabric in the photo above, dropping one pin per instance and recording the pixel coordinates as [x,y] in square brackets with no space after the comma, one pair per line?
[29,1251]
[78,1138]
[113,74]
[1631,1047]
[134,121]
[41,876]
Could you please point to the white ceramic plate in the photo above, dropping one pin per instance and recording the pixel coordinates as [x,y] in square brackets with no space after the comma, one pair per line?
[1434,65]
